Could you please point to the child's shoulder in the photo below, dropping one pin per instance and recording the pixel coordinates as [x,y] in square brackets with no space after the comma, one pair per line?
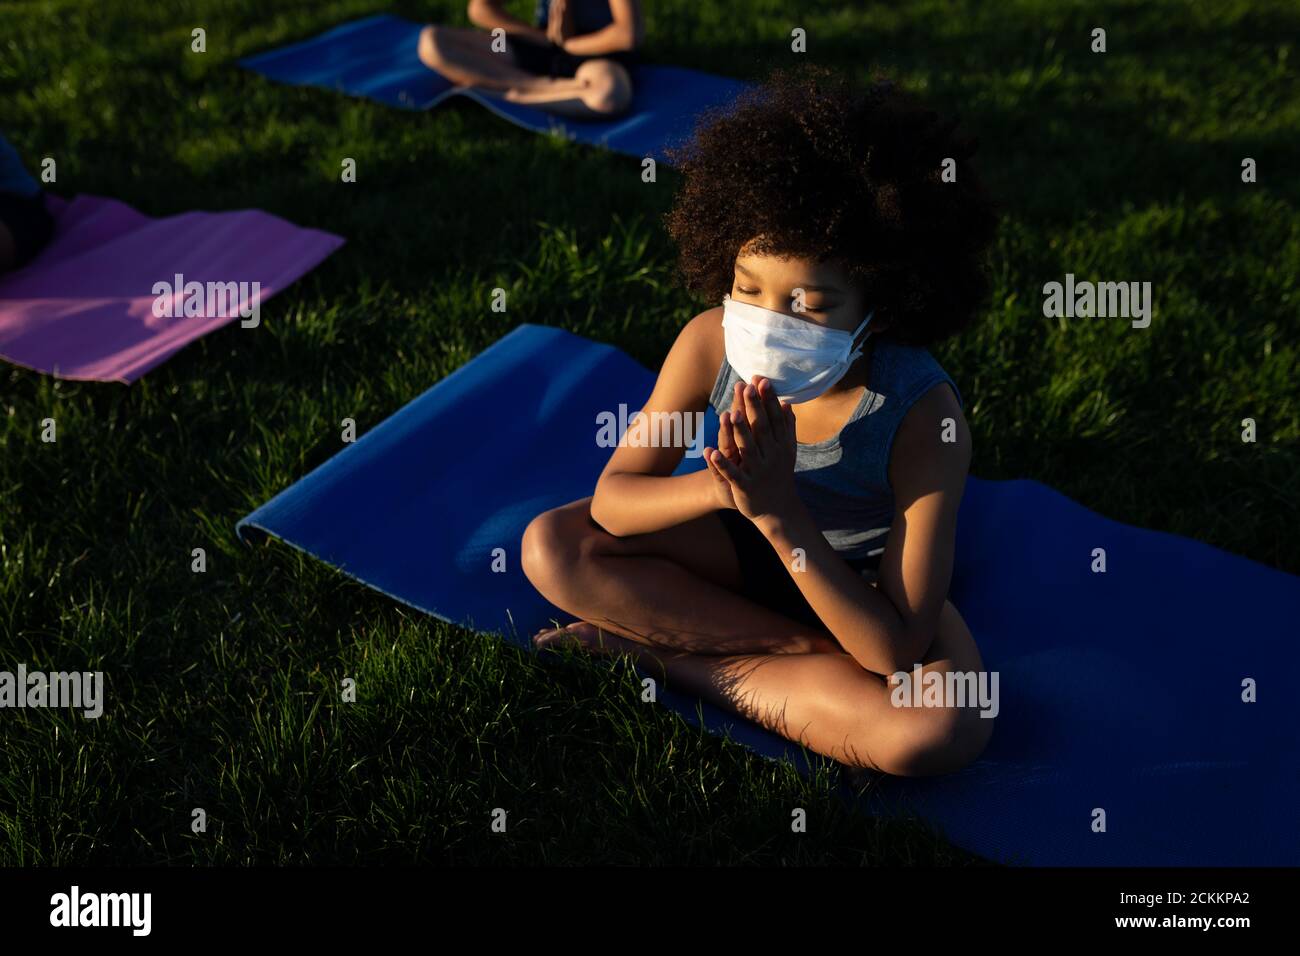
[907,372]
[689,371]
[928,403]
[705,330]
[701,340]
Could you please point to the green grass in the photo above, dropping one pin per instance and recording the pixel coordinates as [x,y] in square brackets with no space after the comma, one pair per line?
[223,687]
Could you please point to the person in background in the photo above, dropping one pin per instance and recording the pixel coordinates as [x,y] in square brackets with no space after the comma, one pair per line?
[25,224]
[576,61]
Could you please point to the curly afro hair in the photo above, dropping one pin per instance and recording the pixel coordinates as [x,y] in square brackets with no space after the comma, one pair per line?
[806,165]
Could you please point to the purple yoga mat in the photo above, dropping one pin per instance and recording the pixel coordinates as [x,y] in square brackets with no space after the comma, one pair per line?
[84,308]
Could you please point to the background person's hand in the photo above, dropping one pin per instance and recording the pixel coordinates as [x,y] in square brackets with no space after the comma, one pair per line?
[557,25]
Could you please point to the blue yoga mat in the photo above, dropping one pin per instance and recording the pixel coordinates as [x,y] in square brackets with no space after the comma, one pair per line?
[1120,691]
[376,58]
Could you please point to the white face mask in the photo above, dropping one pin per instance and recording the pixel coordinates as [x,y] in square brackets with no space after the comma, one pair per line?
[801,358]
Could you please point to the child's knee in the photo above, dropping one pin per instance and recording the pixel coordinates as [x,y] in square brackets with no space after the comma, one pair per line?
[936,741]
[554,546]
[540,548]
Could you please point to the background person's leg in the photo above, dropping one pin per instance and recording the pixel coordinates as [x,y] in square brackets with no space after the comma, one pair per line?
[8,249]
[600,89]
[26,227]
[465,56]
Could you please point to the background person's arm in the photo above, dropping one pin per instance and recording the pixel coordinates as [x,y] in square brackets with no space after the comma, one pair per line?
[636,492]
[488,15]
[626,32]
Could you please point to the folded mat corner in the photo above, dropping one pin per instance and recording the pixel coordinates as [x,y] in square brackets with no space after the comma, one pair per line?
[83,308]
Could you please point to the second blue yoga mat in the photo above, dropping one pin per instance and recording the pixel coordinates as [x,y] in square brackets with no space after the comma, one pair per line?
[376,58]
[1120,692]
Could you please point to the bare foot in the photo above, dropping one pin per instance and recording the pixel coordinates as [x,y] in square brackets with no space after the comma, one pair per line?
[593,640]
[579,634]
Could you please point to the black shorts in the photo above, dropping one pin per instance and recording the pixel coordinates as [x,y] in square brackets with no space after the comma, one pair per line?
[28,222]
[550,59]
[766,580]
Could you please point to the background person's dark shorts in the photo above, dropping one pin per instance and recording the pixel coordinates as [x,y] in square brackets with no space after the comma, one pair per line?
[549,59]
[766,580]
[28,222]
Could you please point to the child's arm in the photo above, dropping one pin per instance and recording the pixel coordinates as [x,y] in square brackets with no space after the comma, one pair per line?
[636,493]
[890,627]
[488,15]
[623,33]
